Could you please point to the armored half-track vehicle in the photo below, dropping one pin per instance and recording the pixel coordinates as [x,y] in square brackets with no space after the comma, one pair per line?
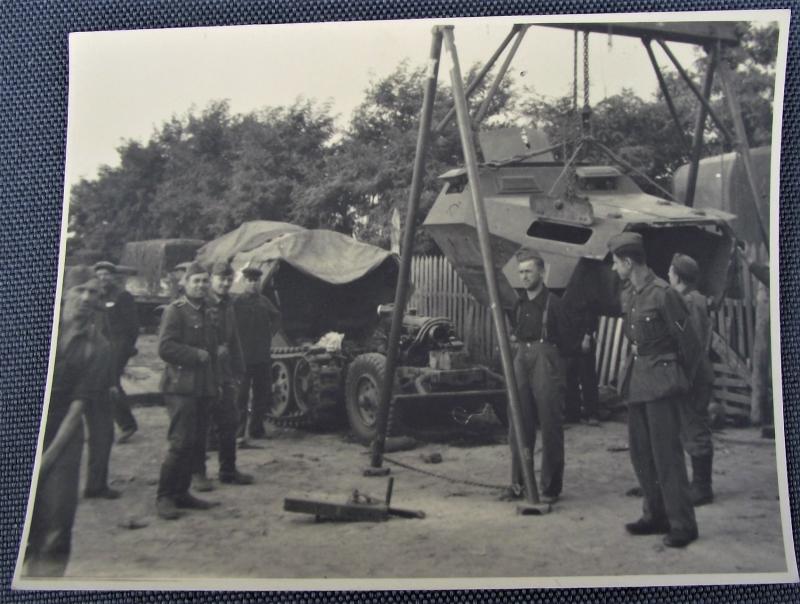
[528,203]
[329,354]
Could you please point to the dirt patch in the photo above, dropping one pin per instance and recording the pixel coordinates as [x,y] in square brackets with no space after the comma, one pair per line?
[467,532]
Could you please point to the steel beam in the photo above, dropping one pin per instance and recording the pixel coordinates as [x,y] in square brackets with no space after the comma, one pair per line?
[696,91]
[479,77]
[524,450]
[742,145]
[401,293]
[665,91]
[702,33]
[484,108]
[699,127]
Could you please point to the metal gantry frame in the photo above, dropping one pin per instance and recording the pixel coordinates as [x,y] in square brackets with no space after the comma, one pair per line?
[713,36]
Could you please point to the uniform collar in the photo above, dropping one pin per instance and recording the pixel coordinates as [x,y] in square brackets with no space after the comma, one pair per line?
[648,279]
[189,301]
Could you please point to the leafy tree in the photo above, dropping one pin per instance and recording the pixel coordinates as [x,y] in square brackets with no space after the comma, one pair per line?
[368,173]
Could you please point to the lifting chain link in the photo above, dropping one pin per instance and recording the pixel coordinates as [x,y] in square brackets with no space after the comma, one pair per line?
[472,483]
[587,110]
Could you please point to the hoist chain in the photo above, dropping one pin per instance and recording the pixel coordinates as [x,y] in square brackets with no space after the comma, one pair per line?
[587,110]
[472,483]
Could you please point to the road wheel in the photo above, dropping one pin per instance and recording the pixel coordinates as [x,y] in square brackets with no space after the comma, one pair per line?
[281,389]
[362,394]
[302,385]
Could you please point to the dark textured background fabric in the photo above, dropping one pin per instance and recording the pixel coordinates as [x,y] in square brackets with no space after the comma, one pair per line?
[33,120]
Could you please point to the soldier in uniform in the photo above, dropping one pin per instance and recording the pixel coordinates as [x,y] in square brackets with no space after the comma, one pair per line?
[121,330]
[230,368]
[256,318]
[187,343]
[540,329]
[655,379]
[695,426]
[80,377]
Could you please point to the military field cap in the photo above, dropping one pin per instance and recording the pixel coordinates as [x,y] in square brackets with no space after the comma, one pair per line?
[181,266]
[222,269]
[626,242]
[685,267]
[105,265]
[526,253]
[195,268]
[79,275]
[251,272]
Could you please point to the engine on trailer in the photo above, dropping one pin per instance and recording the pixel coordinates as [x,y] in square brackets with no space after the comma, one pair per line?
[424,341]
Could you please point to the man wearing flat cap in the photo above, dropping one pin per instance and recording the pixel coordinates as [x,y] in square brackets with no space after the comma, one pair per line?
[187,343]
[654,380]
[121,328]
[80,377]
[223,414]
[256,319]
[684,274]
[539,334]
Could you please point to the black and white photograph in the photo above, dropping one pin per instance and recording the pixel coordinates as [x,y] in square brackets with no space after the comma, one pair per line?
[456,303]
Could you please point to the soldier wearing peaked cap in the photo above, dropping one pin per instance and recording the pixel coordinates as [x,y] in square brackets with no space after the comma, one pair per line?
[230,368]
[654,381]
[684,273]
[187,343]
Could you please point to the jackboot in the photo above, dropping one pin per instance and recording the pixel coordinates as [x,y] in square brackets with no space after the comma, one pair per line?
[701,492]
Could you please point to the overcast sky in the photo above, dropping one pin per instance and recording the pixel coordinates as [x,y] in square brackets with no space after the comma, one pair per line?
[124,85]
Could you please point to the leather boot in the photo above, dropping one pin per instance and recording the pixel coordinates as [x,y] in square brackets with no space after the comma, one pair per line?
[701,492]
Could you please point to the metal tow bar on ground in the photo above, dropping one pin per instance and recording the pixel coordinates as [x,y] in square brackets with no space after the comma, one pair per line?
[524,450]
[376,467]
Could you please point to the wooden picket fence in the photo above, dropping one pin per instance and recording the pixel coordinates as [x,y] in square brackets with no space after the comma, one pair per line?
[440,292]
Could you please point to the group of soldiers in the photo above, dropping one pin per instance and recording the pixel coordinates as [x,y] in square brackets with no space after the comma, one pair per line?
[210,373]
[666,383]
[216,381]
[216,350]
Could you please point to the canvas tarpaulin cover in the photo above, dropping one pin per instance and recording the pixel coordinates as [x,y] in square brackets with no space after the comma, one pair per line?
[246,237]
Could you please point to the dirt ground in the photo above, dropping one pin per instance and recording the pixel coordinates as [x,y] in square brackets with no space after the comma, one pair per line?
[467,532]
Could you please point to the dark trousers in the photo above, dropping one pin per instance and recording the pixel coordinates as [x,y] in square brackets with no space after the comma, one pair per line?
[657,457]
[123,415]
[539,371]
[185,440]
[222,413]
[695,424]
[581,386]
[99,416]
[258,378]
[50,535]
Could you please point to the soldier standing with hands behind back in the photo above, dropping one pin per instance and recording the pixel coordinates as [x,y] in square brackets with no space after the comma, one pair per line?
[655,378]
[684,273]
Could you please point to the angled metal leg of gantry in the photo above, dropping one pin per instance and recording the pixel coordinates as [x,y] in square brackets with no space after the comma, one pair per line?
[524,449]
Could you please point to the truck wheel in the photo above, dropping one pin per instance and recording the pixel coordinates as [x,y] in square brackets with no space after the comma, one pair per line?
[281,388]
[362,394]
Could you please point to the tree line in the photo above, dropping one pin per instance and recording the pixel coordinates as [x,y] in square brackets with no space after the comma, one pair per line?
[203,174]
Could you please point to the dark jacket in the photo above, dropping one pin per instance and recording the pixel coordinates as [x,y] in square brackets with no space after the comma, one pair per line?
[557,330]
[187,329]
[697,304]
[81,372]
[666,345]
[255,318]
[230,362]
[119,323]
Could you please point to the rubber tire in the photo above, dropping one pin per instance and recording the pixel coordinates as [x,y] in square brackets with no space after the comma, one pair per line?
[371,366]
